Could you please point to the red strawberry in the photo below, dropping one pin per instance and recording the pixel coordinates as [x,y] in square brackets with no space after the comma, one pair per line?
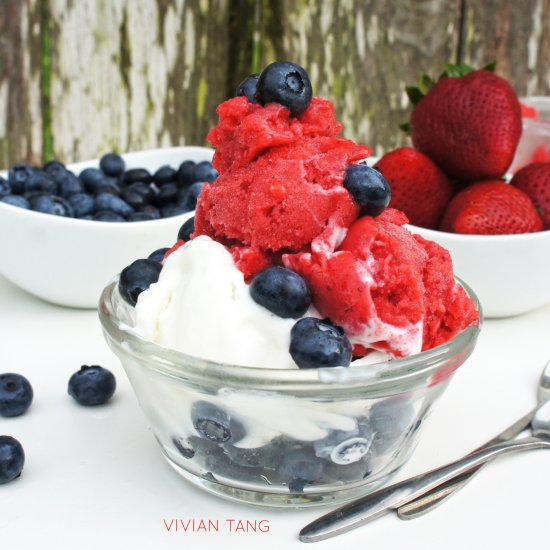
[534,181]
[418,187]
[527,111]
[491,208]
[468,125]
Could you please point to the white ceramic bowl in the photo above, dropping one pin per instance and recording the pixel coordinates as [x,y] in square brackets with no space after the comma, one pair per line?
[534,144]
[509,273]
[69,261]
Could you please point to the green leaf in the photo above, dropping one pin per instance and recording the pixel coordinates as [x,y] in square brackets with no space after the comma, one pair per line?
[426,84]
[414,93]
[454,70]
[490,67]
[406,127]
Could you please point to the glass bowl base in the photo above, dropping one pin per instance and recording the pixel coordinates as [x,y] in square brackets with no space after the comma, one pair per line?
[308,499]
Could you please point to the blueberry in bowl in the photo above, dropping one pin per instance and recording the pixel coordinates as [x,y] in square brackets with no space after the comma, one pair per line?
[72,226]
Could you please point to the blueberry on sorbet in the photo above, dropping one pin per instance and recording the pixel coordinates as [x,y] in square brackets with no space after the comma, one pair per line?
[317,343]
[368,187]
[285,83]
[281,291]
[248,88]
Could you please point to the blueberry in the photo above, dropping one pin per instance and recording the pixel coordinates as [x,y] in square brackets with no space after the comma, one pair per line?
[136,278]
[285,83]
[300,467]
[343,447]
[15,394]
[16,200]
[204,171]
[91,178]
[82,203]
[18,176]
[215,424]
[41,181]
[368,187]
[315,343]
[158,255]
[112,164]
[167,194]
[186,230]
[165,174]
[139,194]
[108,216]
[173,210]
[106,201]
[12,458]
[391,421]
[267,456]
[5,188]
[137,174]
[192,195]
[55,169]
[151,211]
[92,385]
[108,185]
[352,471]
[204,448]
[248,87]
[69,185]
[183,446]
[140,217]
[281,291]
[51,204]
[186,172]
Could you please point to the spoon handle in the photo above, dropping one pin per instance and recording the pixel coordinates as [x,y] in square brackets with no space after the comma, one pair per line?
[430,500]
[370,507]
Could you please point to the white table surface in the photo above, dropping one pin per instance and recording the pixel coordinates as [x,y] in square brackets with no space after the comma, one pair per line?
[95,479]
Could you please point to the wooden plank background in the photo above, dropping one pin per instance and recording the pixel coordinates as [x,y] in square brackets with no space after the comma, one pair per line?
[80,78]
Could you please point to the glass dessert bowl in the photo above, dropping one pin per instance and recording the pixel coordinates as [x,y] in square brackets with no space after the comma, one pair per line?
[282,437]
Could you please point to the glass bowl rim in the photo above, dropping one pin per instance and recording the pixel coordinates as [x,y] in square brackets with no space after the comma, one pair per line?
[403,372]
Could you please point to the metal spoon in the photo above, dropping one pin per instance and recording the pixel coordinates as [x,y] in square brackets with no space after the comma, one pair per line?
[421,505]
[376,504]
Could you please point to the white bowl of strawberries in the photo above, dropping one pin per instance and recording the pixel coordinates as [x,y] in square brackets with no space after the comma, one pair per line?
[452,185]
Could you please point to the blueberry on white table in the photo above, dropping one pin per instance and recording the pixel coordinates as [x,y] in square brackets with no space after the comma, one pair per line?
[92,385]
[12,458]
[16,394]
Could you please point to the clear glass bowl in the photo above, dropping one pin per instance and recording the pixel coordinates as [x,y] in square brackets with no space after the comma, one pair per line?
[288,438]
[534,143]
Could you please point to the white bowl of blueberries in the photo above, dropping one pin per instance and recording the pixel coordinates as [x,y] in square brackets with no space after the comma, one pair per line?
[67,229]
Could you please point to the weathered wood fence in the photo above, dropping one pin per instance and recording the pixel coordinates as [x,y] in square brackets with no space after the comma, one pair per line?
[81,77]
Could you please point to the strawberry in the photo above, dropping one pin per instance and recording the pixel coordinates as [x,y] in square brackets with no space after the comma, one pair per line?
[534,181]
[469,125]
[491,208]
[418,187]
